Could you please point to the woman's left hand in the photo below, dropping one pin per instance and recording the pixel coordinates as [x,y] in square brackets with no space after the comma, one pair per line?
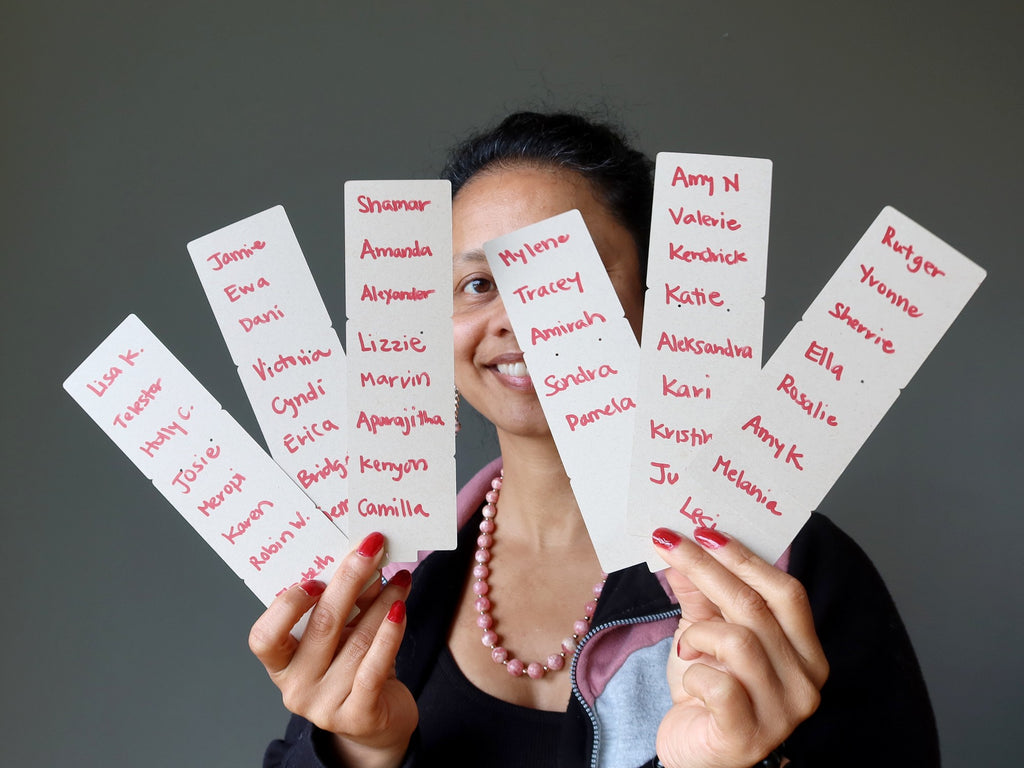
[747,667]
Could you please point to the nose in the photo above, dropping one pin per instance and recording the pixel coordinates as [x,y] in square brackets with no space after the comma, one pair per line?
[498,321]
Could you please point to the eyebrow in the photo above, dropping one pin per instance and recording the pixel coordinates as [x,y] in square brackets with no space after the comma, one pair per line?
[473,256]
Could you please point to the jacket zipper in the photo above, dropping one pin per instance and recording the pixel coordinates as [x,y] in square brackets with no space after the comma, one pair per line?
[572,669]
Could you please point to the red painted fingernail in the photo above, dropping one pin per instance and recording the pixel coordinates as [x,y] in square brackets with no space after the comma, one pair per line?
[665,538]
[397,612]
[401,579]
[371,545]
[710,538]
[313,588]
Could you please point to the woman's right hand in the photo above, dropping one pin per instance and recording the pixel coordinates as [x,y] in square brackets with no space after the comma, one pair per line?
[341,675]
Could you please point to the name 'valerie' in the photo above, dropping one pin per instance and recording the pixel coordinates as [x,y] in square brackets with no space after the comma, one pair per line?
[701,219]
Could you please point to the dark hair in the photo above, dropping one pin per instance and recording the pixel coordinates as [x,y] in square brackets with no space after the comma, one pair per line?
[621,177]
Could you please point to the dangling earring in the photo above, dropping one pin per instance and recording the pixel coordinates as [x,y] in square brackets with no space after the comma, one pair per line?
[458,425]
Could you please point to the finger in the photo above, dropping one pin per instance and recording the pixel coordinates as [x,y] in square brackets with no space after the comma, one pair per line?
[327,621]
[735,599]
[397,586]
[693,603]
[777,687]
[270,638]
[746,589]
[784,595]
[738,651]
[360,636]
[368,595]
[731,709]
[378,665]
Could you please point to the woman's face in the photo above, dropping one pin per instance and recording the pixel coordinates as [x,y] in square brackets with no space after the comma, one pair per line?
[489,368]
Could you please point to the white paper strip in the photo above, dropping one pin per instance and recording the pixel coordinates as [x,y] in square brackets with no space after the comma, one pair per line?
[783,445]
[204,463]
[582,357]
[289,358]
[401,380]
[703,314]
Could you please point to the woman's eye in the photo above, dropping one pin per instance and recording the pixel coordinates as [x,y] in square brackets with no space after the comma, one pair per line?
[477,285]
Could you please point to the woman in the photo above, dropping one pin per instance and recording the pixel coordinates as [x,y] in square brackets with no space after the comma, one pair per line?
[715,662]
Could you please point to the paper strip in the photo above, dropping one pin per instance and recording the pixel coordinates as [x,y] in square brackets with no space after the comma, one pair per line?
[780,449]
[204,463]
[703,314]
[401,379]
[289,358]
[582,357]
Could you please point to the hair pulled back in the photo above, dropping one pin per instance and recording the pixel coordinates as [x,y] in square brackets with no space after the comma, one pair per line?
[621,177]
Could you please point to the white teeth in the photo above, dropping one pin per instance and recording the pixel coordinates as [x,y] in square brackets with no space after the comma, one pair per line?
[513,369]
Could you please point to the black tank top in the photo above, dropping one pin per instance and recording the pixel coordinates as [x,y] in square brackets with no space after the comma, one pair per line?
[462,725]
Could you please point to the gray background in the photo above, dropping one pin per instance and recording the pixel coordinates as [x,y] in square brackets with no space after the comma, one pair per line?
[130,128]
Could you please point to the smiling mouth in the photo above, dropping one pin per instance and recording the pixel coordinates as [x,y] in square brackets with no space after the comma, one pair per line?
[517,370]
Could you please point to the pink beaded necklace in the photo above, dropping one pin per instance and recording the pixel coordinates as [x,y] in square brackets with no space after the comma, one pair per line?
[500,655]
